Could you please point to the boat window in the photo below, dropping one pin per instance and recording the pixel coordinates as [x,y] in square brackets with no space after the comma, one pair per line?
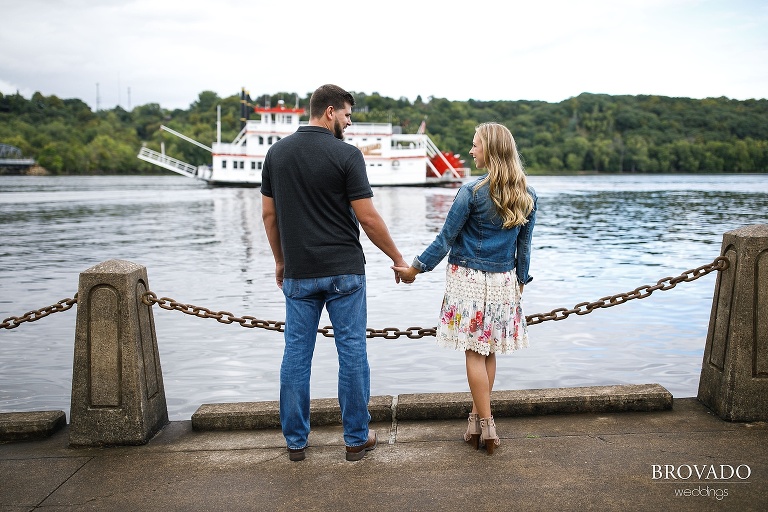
[223,164]
[242,164]
[261,140]
[259,165]
[253,165]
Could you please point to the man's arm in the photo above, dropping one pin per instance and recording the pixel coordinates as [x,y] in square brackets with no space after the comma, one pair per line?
[377,231]
[269,217]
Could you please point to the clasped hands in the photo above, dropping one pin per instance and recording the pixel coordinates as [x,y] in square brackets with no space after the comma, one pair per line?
[405,274]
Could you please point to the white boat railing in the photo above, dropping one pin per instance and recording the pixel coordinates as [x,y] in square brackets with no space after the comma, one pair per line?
[167,162]
[433,150]
[369,129]
[240,136]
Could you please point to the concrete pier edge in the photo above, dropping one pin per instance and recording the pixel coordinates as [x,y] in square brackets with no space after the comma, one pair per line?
[19,426]
[28,426]
[440,406]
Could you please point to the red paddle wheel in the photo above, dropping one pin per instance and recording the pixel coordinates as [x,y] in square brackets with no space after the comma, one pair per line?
[444,161]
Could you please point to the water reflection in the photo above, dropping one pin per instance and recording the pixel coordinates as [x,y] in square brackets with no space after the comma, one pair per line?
[595,236]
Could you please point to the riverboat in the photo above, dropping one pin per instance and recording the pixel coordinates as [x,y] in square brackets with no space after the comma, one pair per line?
[392,158]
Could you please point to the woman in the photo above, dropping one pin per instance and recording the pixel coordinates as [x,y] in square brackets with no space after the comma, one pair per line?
[488,234]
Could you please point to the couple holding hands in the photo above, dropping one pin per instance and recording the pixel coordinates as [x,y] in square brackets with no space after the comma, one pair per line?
[316,196]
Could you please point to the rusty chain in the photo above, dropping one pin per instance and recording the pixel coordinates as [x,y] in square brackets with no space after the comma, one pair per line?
[667,283]
[225,317]
[30,316]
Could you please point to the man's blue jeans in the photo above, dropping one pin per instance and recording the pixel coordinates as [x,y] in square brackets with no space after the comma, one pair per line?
[344,297]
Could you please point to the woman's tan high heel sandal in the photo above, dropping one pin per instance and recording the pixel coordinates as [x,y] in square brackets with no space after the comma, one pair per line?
[488,434]
[472,435]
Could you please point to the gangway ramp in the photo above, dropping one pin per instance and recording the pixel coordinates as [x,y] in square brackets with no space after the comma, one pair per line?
[167,162]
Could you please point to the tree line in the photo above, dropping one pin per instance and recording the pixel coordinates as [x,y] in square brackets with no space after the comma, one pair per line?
[589,132]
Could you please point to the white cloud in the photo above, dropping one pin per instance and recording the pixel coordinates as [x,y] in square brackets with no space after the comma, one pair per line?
[168,51]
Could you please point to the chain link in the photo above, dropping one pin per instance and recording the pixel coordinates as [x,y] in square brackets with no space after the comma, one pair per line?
[30,316]
[667,283]
[225,317]
[388,333]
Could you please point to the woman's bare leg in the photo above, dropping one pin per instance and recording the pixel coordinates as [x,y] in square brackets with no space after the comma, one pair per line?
[490,367]
[480,383]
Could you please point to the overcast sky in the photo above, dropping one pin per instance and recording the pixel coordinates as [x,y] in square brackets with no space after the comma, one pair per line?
[168,51]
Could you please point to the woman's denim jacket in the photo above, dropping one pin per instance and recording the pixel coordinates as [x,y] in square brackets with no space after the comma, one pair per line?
[475,238]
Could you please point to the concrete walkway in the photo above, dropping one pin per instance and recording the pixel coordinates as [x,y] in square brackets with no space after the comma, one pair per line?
[587,461]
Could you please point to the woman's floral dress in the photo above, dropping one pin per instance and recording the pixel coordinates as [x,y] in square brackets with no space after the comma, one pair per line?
[482,311]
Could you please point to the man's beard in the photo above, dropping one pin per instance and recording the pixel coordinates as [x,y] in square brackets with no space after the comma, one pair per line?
[338,130]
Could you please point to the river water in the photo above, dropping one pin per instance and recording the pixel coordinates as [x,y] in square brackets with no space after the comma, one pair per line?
[595,236]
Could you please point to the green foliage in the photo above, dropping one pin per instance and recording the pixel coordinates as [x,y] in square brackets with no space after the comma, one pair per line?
[589,132]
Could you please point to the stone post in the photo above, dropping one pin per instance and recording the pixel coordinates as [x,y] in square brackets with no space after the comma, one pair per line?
[734,373]
[118,396]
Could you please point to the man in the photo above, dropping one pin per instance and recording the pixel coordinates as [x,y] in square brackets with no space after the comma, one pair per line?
[315,190]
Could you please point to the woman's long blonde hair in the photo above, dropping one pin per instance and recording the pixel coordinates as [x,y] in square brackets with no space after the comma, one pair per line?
[506,176]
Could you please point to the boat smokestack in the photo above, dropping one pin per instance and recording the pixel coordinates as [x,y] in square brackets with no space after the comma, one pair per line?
[242,108]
